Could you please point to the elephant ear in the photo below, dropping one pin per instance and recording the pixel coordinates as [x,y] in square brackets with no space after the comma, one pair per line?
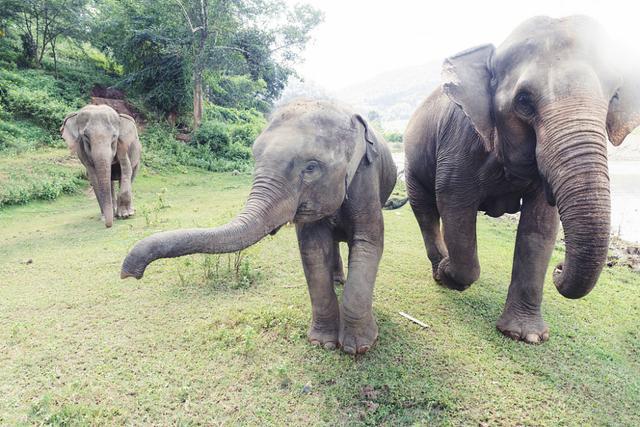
[128,130]
[624,108]
[69,131]
[366,145]
[371,142]
[466,80]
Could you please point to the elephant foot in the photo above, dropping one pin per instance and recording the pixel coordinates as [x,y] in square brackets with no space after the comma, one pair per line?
[528,328]
[324,334]
[357,337]
[444,276]
[124,212]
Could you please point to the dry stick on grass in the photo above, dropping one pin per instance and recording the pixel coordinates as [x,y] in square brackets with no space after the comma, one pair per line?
[413,319]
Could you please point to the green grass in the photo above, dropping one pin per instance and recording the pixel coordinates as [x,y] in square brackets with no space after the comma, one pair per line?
[79,346]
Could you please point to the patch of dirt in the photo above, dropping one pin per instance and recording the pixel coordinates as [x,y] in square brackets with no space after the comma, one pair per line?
[120,105]
[624,254]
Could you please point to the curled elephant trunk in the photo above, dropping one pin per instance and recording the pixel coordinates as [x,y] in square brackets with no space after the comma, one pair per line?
[270,205]
[572,156]
[103,192]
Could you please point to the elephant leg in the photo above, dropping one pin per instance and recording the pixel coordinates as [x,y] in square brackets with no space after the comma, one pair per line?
[426,212]
[125,199]
[113,196]
[537,231]
[338,269]
[358,328]
[317,252]
[461,267]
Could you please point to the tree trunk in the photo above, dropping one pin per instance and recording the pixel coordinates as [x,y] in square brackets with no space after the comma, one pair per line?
[197,96]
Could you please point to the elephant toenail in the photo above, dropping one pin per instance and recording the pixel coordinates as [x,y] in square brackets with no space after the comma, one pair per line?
[363,349]
[330,346]
[349,350]
[532,338]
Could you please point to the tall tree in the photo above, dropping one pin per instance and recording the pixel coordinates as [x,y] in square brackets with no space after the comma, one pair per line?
[258,38]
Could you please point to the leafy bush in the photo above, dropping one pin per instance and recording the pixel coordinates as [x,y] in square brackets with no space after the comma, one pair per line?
[36,105]
[245,134]
[23,179]
[162,151]
[213,134]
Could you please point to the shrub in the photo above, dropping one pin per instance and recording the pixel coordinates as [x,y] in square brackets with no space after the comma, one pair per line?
[37,106]
[213,134]
[245,134]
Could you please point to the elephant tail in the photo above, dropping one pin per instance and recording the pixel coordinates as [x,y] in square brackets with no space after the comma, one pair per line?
[395,203]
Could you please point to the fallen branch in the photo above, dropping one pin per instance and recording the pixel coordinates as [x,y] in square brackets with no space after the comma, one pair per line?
[413,319]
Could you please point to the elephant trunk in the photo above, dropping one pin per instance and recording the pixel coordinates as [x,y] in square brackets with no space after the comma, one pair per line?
[103,192]
[572,157]
[271,203]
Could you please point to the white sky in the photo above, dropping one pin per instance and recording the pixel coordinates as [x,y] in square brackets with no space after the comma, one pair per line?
[360,39]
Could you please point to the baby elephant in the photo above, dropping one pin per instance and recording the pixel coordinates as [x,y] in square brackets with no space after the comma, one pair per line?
[325,169]
[108,146]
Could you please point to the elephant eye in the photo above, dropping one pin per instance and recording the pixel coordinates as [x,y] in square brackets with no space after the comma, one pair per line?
[524,104]
[311,166]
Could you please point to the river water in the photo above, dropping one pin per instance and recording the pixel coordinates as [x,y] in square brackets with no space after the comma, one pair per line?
[625,197]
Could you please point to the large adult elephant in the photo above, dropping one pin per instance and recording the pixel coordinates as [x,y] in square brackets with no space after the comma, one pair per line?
[523,128]
[108,146]
[324,168]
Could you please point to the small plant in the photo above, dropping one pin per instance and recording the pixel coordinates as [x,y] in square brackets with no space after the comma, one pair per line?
[152,214]
[220,272]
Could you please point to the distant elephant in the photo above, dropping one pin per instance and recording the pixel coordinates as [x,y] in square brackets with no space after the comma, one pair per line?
[325,169]
[523,128]
[108,146]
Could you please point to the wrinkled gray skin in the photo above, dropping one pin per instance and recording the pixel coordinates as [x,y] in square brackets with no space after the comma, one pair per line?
[523,128]
[107,144]
[302,164]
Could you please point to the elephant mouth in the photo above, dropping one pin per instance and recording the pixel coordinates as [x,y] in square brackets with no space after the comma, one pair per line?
[305,214]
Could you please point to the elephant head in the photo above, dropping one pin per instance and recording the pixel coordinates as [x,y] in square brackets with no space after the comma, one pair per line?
[93,133]
[304,161]
[545,101]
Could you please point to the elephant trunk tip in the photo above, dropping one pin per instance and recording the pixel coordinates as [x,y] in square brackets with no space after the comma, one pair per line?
[132,268]
[575,292]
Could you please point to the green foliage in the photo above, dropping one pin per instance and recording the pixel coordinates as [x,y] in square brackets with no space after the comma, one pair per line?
[45,176]
[239,91]
[224,271]
[222,143]
[36,105]
[393,136]
[214,135]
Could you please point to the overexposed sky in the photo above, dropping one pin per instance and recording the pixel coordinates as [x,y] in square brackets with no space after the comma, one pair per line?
[360,39]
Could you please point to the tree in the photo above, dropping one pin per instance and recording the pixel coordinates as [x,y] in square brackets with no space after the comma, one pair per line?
[184,39]
[42,22]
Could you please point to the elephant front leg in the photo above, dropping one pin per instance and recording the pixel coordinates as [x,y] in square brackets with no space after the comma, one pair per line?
[537,231]
[125,199]
[358,328]
[317,252]
[461,267]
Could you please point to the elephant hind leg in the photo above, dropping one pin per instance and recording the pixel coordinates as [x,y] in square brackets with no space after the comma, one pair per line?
[426,212]
[338,269]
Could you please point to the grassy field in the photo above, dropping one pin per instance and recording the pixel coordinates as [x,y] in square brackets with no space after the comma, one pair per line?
[79,346]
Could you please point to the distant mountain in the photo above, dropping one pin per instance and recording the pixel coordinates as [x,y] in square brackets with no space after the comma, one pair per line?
[394,95]
[391,97]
